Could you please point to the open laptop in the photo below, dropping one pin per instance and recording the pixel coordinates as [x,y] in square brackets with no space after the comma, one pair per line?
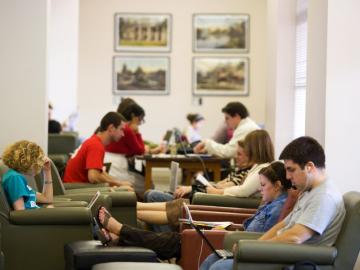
[168,136]
[174,172]
[221,253]
[93,200]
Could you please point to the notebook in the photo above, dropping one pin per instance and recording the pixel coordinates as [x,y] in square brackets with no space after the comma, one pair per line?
[93,200]
[174,168]
[221,253]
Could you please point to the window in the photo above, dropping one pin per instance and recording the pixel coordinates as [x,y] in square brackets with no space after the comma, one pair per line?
[300,68]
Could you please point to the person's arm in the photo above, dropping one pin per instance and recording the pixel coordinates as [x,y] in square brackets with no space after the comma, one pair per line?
[132,138]
[47,194]
[19,204]
[273,231]
[212,190]
[96,176]
[181,191]
[199,148]
[297,234]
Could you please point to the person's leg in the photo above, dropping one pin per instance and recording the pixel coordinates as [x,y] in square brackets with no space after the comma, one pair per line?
[153,217]
[209,261]
[156,206]
[157,196]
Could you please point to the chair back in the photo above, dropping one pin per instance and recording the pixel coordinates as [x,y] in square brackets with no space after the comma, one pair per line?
[4,205]
[62,143]
[348,241]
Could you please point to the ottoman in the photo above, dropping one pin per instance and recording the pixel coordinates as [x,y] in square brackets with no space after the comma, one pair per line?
[82,255]
[135,265]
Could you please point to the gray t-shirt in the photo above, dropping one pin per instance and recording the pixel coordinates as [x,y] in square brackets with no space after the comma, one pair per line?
[321,210]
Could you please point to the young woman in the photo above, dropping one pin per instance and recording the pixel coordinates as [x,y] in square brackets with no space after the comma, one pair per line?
[192,131]
[273,188]
[25,158]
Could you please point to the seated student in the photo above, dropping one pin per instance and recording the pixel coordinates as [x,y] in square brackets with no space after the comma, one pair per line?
[86,164]
[167,245]
[319,212]
[54,126]
[25,158]
[259,151]
[192,131]
[238,119]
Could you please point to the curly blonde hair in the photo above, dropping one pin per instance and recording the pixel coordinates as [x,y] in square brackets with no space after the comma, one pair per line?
[23,156]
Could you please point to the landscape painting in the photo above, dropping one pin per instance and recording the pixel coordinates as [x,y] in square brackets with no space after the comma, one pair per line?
[221,33]
[223,76]
[138,75]
[142,32]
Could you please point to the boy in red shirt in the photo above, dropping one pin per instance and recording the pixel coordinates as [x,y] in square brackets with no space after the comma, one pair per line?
[86,164]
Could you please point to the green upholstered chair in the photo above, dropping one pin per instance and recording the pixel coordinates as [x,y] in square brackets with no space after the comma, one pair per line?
[122,205]
[270,256]
[35,239]
[227,201]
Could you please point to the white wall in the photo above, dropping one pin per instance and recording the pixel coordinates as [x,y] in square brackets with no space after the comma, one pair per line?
[281,22]
[342,131]
[63,57]
[96,39]
[23,33]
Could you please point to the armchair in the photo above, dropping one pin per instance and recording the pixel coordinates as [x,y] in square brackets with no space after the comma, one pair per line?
[34,239]
[227,201]
[271,256]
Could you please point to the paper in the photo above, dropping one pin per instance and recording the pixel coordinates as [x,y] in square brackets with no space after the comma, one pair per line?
[210,224]
[202,180]
[138,165]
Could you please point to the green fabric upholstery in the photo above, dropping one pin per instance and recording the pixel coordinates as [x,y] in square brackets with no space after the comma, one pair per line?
[62,143]
[270,256]
[135,265]
[227,201]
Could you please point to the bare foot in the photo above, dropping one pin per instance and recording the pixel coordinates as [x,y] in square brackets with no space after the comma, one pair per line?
[109,223]
[112,238]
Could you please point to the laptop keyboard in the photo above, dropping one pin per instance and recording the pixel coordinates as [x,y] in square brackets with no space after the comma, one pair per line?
[225,253]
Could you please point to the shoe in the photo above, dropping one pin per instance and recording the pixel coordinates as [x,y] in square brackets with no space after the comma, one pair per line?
[102,237]
[106,220]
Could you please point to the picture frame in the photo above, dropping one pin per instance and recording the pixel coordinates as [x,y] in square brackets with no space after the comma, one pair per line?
[220,76]
[141,75]
[214,33]
[142,32]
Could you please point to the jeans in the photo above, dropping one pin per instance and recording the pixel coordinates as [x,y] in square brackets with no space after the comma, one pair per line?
[213,262]
[158,196]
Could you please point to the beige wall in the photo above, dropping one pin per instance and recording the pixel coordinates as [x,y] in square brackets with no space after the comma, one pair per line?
[96,39]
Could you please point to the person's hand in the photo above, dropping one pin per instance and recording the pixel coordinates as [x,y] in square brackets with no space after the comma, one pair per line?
[181,191]
[128,188]
[134,126]
[47,165]
[212,190]
[199,148]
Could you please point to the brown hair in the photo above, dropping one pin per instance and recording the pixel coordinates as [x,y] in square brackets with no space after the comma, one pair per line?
[258,147]
[276,172]
[24,155]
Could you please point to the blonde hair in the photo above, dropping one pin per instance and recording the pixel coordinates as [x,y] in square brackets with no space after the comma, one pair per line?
[23,156]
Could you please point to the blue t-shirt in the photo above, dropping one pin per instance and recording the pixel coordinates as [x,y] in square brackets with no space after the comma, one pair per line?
[266,216]
[15,187]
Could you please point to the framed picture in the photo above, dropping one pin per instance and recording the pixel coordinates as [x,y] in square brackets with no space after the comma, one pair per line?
[225,76]
[142,32]
[141,75]
[221,33]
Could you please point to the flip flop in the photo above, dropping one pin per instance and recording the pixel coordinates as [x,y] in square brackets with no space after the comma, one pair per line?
[107,217]
[102,237]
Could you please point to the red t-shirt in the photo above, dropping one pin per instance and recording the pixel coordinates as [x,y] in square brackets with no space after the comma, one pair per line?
[130,144]
[90,155]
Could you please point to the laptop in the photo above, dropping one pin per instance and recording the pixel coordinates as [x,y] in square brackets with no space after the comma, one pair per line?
[221,253]
[168,136]
[93,200]
[174,172]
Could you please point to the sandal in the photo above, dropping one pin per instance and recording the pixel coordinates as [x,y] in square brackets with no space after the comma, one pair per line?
[107,217]
[102,237]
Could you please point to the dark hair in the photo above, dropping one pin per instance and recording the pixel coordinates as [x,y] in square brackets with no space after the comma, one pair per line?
[194,117]
[258,147]
[129,109]
[276,172]
[234,108]
[303,150]
[111,118]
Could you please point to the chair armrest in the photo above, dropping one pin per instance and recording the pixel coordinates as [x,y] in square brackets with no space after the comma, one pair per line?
[222,209]
[51,216]
[83,185]
[120,198]
[233,237]
[70,204]
[271,252]
[221,200]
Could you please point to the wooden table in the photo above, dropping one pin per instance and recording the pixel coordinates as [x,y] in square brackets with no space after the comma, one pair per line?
[189,163]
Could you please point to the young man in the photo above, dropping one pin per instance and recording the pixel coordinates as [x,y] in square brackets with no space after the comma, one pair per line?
[86,164]
[319,212]
[236,118]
